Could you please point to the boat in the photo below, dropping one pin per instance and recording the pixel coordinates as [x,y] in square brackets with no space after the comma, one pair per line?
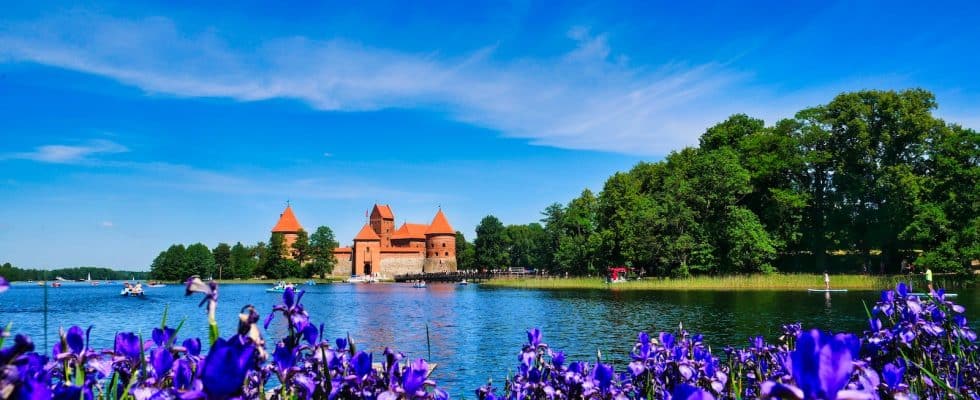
[154,284]
[827,290]
[463,282]
[927,294]
[419,285]
[361,279]
[60,279]
[131,290]
[310,283]
[55,284]
[279,287]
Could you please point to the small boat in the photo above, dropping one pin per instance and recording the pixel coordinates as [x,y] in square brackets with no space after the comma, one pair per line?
[310,283]
[361,279]
[463,282]
[41,283]
[131,290]
[827,290]
[56,284]
[60,279]
[154,284]
[927,294]
[419,285]
[279,287]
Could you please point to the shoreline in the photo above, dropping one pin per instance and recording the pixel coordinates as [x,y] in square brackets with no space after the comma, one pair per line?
[774,282]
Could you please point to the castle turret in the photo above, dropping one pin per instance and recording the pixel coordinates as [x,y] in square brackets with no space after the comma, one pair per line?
[383,223]
[366,257]
[440,245]
[289,227]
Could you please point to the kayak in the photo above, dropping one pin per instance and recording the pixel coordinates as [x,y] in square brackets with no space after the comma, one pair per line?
[827,290]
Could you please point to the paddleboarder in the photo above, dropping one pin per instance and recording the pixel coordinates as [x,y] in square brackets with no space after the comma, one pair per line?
[826,280]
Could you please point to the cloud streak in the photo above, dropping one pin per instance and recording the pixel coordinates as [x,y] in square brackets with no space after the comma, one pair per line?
[586,98]
[69,154]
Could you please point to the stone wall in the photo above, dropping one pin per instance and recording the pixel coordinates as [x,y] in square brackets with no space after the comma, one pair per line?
[393,264]
[343,266]
[433,265]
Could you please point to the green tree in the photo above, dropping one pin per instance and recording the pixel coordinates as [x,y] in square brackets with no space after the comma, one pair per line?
[465,253]
[275,255]
[222,261]
[322,245]
[301,247]
[491,244]
[242,261]
[200,261]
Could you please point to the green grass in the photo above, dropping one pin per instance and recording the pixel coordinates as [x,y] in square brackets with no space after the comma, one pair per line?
[735,282]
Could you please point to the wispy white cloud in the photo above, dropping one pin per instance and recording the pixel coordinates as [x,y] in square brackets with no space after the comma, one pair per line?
[107,224]
[69,153]
[588,98]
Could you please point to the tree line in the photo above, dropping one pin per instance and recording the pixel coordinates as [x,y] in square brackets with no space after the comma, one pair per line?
[308,256]
[869,182]
[13,273]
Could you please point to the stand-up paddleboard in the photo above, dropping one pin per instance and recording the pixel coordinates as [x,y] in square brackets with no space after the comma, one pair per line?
[827,290]
[927,294]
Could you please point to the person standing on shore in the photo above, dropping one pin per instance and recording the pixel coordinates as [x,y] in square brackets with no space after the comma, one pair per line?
[826,280]
[929,278]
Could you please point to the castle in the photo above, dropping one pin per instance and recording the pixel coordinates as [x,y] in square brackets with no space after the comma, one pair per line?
[381,250]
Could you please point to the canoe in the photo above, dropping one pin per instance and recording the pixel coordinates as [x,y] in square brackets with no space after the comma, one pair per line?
[827,290]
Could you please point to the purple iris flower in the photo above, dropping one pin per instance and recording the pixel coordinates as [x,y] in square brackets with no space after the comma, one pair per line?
[163,336]
[758,343]
[127,345]
[75,338]
[4,284]
[162,360]
[34,390]
[558,359]
[291,309]
[902,289]
[225,367]
[193,346]
[534,337]
[603,375]
[183,375]
[284,356]
[341,344]
[893,373]
[688,392]
[822,363]
[361,362]
[667,340]
[63,392]
[311,334]
[413,382]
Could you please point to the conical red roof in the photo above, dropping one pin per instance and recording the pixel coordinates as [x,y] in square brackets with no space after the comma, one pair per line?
[384,211]
[366,233]
[287,222]
[440,225]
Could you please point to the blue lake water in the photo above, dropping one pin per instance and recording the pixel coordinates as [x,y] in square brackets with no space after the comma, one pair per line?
[475,332]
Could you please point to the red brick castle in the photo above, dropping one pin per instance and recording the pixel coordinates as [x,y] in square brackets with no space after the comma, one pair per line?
[381,250]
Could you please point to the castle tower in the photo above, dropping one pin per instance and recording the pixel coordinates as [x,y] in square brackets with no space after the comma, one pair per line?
[289,227]
[440,246]
[383,223]
[366,255]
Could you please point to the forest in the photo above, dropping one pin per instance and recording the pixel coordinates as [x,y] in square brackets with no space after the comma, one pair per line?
[871,182]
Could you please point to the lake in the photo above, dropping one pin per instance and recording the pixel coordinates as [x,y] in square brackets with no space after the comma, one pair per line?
[475,332]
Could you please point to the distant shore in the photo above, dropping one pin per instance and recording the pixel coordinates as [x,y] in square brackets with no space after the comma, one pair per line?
[737,282]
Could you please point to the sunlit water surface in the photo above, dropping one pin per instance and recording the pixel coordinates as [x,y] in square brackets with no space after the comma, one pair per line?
[474,332]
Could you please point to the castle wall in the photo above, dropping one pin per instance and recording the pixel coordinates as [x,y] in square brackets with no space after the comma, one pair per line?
[393,264]
[433,265]
[342,269]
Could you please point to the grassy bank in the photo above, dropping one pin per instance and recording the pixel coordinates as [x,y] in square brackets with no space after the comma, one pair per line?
[740,282]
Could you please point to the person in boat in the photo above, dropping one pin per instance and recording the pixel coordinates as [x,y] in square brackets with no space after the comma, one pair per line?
[929,278]
[826,280]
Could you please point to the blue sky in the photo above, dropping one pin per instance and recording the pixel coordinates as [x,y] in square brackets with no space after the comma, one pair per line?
[126,127]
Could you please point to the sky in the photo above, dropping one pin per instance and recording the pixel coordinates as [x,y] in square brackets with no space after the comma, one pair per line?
[128,126]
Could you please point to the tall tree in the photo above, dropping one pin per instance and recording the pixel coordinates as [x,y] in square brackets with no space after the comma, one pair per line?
[200,261]
[465,253]
[491,244]
[275,256]
[322,245]
[242,262]
[222,260]
[301,247]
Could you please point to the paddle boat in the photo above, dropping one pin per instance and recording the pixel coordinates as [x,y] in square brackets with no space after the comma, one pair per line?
[361,279]
[130,290]
[55,284]
[280,287]
[419,285]
[310,283]
[463,282]
[154,284]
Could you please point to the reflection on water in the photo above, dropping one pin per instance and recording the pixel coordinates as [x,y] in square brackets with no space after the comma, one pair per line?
[474,332]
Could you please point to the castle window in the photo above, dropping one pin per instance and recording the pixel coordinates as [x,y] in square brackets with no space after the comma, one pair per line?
[447,254]
[443,245]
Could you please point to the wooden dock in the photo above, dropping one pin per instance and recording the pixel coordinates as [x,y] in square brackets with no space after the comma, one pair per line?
[445,277]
